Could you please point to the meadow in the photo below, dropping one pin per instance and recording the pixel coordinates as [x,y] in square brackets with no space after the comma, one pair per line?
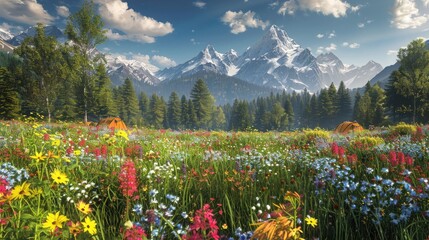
[71,181]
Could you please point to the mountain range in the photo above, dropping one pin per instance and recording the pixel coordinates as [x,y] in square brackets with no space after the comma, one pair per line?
[275,62]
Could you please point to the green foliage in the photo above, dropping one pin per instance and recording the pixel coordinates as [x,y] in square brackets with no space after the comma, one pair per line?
[130,108]
[404,128]
[410,83]
[9,101]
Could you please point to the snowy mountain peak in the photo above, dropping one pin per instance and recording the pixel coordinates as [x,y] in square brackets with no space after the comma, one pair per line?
[5,35]
[50,30]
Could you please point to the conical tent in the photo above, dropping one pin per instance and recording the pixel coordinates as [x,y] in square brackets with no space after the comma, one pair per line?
[346,127]
[113,122]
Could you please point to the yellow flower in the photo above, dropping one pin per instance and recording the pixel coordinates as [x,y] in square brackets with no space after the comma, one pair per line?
[20,191]
[36,191]
[83,207]
[123,134]
[38,156]
[59,177]
[311,221]
[55,143]
[54,221]
[89,226]
[75,228]
[224,226]
[128,224]
[77,152]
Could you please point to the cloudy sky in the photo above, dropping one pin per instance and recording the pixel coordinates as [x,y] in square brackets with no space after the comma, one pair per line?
[164,33]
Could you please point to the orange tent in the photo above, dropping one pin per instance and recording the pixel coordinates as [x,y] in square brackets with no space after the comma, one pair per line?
[113,122]
[346,127]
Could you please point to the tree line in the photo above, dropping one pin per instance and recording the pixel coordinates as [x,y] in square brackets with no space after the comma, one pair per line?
[69,82]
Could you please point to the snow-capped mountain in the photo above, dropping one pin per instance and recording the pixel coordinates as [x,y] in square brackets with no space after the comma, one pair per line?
[207,60]
[31,31]
[119,69]
[333,70]
[5,35]
[278,61]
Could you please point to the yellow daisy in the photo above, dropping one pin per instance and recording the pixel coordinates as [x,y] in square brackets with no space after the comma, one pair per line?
[55,143]
[59,177]
[83,207]
[89,226]
[54,221]
[20,191]
[311,221]
[123,134]
[38,156]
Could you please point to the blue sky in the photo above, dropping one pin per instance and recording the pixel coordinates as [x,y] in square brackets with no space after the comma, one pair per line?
[164,33]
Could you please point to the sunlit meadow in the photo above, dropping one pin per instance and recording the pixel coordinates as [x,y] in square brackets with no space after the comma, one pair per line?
[71,181]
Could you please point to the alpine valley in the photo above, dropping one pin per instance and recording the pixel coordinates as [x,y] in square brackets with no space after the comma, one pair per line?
[274,63]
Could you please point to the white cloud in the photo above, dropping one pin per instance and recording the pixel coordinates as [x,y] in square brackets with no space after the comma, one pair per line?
[239,21]
[407,15]
[336,8]
[130,24]
[351,45]
[11,28]
[163,62]
[354,45]
[332,34]
[392,52]
[361,25]
[199,4]
[320,35]
[355,8]
[425,2]
[24,11]
[332,47]
[63,11]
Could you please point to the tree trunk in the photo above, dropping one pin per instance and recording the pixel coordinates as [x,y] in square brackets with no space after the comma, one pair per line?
[49,110]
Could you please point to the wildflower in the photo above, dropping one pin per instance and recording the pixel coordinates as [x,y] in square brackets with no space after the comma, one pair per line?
[59,177]
[123,134]
[55,142]
[20,191]
[135,233]
[225,226]
[52,155]
[38,156]
[128,224]
[74,228]
[77,152]
[128,179]
[89,226]
[311,221]
[83,207]
[54,221]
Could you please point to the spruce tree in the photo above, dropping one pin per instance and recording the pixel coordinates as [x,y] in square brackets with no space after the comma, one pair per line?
[173,111]
[192,116]
[131,106]
[144,107]
[156,112]
[203,103]
[344,103]
[105,105]
[9,100]
[183,112]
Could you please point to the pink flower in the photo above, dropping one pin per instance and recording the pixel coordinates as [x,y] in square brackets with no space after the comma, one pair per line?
[135,233]
[392,159]
[127,179]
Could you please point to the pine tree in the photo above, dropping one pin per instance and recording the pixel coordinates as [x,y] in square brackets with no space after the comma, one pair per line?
[9,100]
[144,107]
[240,118]
[105,105]
[156,112]
[218,119]
[261,116]
[85,29]
[131,107]
[279,118]
[287,106]
[344,103]
[203,103]
[173,111]
[183,112]
[44,68]
[192,116]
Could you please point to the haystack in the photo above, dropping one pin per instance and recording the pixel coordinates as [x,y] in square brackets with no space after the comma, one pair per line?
[346,127]
[112,122]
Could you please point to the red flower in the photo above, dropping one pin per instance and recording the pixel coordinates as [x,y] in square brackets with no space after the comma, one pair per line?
[127,178]
[204,224]
[392,159]
[135,233]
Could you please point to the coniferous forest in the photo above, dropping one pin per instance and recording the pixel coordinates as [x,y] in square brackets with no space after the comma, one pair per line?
[69,82]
